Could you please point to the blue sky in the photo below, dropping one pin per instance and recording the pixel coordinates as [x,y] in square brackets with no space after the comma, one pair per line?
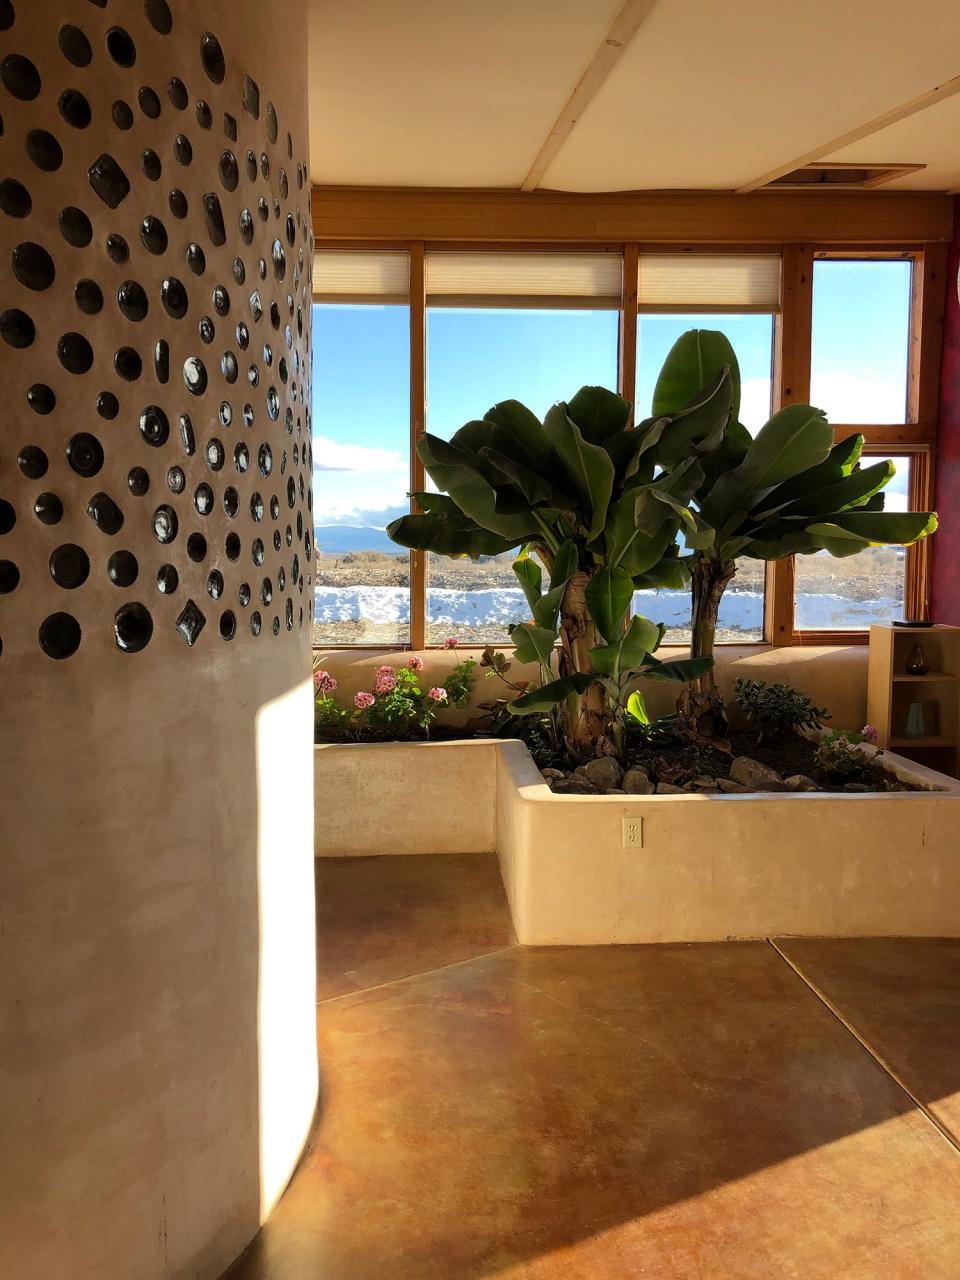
[475,358]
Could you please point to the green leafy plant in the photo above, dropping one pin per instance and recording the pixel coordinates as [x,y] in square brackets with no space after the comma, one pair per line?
[788,491]
[778,710]
[397,707]
[839,759]
[581,496]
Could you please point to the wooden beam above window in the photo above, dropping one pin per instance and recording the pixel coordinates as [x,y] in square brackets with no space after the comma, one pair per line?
[361,215]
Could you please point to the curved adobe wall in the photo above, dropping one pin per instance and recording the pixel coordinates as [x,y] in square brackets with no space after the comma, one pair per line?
[157,1051]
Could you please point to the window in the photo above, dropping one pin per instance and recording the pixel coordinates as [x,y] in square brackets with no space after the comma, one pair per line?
[537,325]
[739,295]
[861,339]
[361,447]
[850,594]
[540,326]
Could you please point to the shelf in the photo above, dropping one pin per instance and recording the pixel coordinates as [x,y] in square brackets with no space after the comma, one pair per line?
[931,740]
[932,677]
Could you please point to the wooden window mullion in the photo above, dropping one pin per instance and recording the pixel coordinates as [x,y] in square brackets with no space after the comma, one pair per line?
[418,415]
[628,329]
[791,385]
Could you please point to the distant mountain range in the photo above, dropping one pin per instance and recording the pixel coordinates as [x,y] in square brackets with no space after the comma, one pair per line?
[338,539]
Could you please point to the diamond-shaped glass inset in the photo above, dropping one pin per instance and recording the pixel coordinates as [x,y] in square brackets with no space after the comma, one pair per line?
[190,622]
[108,180]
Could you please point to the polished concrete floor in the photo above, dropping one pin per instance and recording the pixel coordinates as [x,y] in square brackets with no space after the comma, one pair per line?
[693,1112]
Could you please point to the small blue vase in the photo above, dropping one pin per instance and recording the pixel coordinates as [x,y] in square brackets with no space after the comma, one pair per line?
[915,723]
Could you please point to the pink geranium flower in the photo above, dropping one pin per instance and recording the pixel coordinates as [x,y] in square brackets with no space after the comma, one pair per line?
[323,682]
[385,682]
[415,663]
[438,694]
[363,700]
[870,733]
[451,642]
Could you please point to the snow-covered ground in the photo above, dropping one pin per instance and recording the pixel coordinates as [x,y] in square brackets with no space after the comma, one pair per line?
[740,611]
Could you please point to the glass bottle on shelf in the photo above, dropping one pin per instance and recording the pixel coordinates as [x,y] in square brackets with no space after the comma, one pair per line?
[917,664]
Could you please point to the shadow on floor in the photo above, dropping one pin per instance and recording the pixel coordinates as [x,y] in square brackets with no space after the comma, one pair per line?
[663,1111]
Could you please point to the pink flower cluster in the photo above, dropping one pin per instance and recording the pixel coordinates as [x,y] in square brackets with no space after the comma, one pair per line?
[451,642]
[362,700]
[385,681]
[870,733]
[415,663]
[437,694]
[323,682]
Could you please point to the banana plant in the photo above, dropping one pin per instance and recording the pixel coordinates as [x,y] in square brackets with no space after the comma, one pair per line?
[787,491]
[583,495]
[611,668]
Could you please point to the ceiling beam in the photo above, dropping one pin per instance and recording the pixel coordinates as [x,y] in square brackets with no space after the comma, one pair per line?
[622,30]
[938,93]
[357,215]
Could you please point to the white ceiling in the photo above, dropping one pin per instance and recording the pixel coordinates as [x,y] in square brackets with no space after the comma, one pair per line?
[447,93]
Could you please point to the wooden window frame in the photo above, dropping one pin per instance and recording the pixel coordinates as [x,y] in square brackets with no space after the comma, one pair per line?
[791,384]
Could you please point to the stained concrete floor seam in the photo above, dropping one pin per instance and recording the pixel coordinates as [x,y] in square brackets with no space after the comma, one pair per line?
[420,973]
[865,1044]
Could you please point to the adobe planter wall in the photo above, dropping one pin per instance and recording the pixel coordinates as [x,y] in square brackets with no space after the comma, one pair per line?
[711,866]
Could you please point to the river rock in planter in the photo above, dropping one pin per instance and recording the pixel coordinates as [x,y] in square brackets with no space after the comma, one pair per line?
[668,789]
[574,787]
[603,773]
[614,791]
[702,784]
[754,775]
[553,775]
[637,782]
[800,782]
[730,787]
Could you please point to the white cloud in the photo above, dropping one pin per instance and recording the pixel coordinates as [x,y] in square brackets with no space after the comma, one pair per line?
[331,455]
[357,484]
[754,403]
[858,397]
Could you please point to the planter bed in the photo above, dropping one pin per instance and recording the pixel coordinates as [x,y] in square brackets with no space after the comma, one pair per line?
[711,866]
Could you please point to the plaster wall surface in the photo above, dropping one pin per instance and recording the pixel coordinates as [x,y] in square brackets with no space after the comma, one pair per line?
[405,797]
[710,867]
[833,676]
[157,1061]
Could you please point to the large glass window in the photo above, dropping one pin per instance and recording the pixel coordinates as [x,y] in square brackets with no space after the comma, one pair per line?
[479,355]
[861,339]
[361,464]
[850,594]
[751,335]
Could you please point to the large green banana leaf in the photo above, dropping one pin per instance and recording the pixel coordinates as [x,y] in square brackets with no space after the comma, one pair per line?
[548,695]
[458,473]
[598,413]
[521,425]
[588,465]
[608,595]
[693,362]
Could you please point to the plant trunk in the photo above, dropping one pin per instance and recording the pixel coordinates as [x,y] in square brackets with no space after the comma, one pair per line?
[585,733]
[702,706]
[708,583]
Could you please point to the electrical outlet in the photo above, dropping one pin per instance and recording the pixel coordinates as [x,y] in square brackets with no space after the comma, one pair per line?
[632,833]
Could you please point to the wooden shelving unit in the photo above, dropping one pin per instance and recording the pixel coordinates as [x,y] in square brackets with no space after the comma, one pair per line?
[891,690]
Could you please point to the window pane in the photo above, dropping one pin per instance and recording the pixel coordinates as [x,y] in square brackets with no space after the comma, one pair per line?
[361,472]
[861,337]
[741,610]
[849,594]
[476,357]
[752,340]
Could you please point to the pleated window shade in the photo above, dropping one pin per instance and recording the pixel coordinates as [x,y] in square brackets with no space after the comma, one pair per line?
[569,281]
[709,282]
[352,276]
